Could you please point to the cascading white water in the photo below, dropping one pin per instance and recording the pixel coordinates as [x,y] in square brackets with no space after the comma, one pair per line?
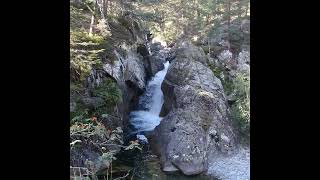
[150,103]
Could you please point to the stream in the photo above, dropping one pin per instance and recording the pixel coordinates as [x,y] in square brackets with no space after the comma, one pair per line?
[145,165]
[144,120]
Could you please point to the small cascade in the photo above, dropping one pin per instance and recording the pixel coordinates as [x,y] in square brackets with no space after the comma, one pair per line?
[146,118]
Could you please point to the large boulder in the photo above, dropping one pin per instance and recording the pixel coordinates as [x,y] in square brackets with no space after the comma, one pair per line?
[157,59]
[129,68]
[154,61]
[234,65]
[196,125]
[155,47]
[156,64]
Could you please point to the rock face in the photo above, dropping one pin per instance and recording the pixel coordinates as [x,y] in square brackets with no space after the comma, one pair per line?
[122,63]
[153,61]
[245,26]
[159,55]
[232,65]
[129,68]
[131,75]
[196,125]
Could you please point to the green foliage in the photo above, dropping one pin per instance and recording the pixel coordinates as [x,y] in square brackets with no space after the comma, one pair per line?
[216,70]
[241,109]
[109,91]
[76,88]
[82,36]
[227,83]
[109,156]
[172,19]
[81,112]
[240,89]
[90,132]
[78,18]
[242,85]
[85,52]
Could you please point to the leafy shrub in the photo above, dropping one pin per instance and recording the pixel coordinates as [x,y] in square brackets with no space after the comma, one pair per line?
[241,108]
[82,36]
[109,91]
[222,75]
[76,88]
[89,132]
[85,52]
[239,87]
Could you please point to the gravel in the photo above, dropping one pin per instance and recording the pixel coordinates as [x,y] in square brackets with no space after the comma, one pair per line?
[235,167]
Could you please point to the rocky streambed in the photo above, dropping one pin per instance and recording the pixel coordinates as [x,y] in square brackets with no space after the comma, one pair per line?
[194,136]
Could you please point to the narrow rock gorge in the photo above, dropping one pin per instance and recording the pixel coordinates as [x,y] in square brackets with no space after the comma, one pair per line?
[160,90]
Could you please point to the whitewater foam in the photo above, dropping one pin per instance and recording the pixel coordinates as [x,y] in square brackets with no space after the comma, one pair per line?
[150,103]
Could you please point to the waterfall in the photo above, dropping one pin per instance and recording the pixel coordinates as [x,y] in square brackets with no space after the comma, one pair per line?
[146,118]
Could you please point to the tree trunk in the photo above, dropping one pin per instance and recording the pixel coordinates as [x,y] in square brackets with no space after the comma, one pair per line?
[100,4]
[122,7]
[239,9]
[229,21]
[209,45]
[162,22]
[92,19]
[91,25]
[214,9]
[162,25]
[105,6]
[246,13]
[109,5]
[198,18]
[229,13]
